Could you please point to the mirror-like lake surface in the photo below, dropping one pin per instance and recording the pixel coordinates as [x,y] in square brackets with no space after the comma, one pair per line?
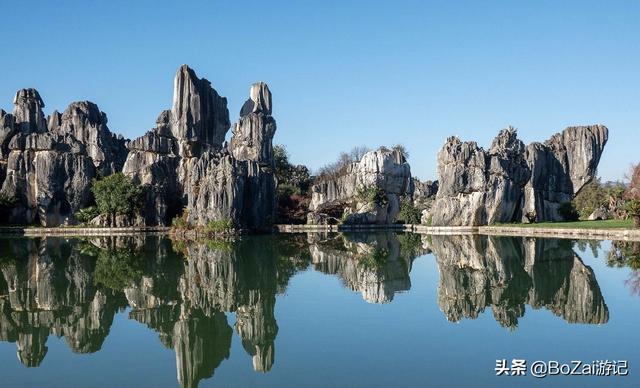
[364,310]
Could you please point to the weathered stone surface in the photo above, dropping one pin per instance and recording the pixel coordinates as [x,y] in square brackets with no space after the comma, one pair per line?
[48,171]
[253,133]
[200,118]
[477,187]
[383,170]
[560,168]
[49,181]
[509,182]
[85,122]
[27,111]
[186,167]
[601,213]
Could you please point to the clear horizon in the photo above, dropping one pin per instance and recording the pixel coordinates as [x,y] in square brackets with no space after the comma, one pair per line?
[345,74]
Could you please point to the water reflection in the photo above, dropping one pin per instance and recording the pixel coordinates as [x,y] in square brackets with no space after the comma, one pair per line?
[376,265]
[507,273]
[73,288]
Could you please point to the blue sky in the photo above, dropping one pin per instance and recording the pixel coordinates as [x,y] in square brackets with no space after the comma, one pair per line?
[345,73]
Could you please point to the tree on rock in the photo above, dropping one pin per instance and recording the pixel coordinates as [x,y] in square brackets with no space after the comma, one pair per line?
[116,195]
[632,196]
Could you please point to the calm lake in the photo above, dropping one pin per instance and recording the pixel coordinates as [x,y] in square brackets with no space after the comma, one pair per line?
[314,310]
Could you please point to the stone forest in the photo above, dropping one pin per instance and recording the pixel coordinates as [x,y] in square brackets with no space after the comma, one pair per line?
[186,174]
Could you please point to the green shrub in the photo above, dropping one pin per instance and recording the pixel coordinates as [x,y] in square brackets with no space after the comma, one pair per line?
[372,194]
[632,206]
[218,226]
[87,214]
[117,268]
[117,194]
[568,212]
[374,260]
[178,222]
[409,214]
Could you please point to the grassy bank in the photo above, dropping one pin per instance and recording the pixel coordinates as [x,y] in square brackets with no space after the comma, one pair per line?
[606,224]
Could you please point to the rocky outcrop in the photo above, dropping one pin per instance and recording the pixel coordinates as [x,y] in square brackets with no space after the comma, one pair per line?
[200,119]
[363,192]
[47,166]
[511,182]
[86,123]
[560,168]
[27,112]
[478,187]
[239,183]
[506,274]
[185,165]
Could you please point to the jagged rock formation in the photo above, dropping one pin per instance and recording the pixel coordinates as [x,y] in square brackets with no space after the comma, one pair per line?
[86,123]
[477,186]
[185,165]
[384,171]
[423,195]
[560,168]
[47,165]
[377,265]
[506,273]
[511,182]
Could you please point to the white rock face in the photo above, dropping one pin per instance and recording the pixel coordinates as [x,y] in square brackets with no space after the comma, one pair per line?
[477,187]
[185,163]
[383,169]
[511,182]
[560,168]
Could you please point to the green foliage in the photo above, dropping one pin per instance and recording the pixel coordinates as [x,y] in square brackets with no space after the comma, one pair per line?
[632,206]
[334,169]
[372,194]
[292,179]
[375,260]
[117,194]
[219,226]
[410,245]
[568,212]
[624,254]
[429,221]
[7,204]
[179,222]
[87,214]
[409,214]
[595,195]
[117,268]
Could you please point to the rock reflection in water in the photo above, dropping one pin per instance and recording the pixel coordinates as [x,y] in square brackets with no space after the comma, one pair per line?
[47,288]
[72,288]
[376,265]
[505,273]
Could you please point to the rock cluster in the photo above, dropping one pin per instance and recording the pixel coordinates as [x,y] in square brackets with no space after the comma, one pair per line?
[47,164]
[186,166]
[511,182]
[506,274]
[382,173]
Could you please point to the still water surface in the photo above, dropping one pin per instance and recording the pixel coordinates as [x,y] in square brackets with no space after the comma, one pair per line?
[313,310]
